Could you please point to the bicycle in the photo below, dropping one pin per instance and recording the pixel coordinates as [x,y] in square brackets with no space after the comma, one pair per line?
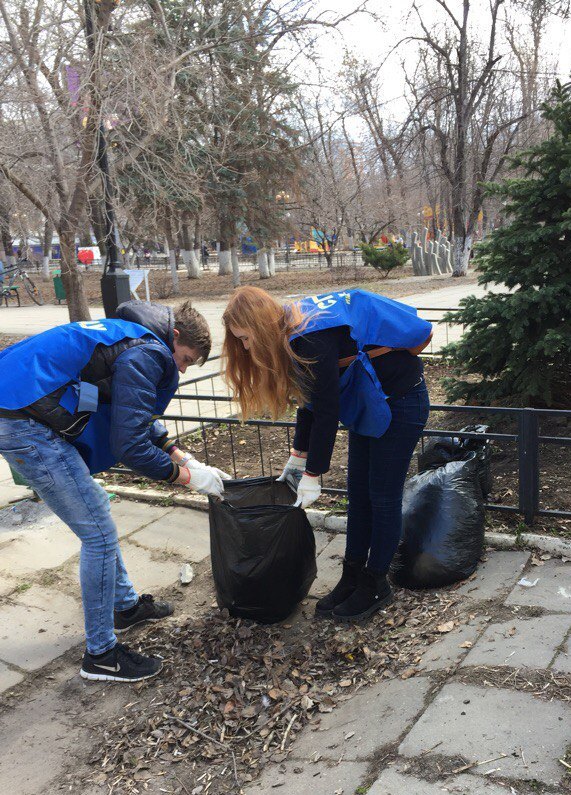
[18,273]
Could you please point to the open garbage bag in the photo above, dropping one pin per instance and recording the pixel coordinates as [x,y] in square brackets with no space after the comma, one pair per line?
[262,549]
[443,513]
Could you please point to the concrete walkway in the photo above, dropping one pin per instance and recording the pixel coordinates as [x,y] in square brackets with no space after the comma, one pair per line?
[452,727]
[40,604]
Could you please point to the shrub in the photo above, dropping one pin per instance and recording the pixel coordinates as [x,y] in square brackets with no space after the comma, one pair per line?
[384,259]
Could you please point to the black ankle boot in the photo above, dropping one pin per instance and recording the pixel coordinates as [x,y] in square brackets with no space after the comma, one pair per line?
[371,594]
[343,589]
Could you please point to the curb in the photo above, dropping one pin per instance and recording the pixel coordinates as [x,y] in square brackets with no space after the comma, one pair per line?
[337,523]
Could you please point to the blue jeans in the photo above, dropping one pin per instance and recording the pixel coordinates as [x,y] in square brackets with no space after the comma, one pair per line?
[57,473]
[375,480]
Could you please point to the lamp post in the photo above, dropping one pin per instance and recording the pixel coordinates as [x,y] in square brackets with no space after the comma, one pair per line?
[114,282]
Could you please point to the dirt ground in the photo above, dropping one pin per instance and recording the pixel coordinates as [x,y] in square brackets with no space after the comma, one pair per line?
[245,451]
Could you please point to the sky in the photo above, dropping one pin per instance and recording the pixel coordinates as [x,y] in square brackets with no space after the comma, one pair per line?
[374,40]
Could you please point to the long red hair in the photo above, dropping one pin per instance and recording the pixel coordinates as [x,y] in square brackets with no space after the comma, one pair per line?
[268,376]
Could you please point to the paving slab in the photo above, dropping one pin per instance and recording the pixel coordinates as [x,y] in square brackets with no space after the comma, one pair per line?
[130,515]
[530,642]
[364,723]
[183,532]
[483,723]
[6,583]
[24,552]
[146,572]
[563,660]
[9,492]
[391,782]
[317,779]
[5,472]
[553,589]
[498,573]
[449,652]
[8,677]
[39,738]
[329,566]
[32,636]
[321,540]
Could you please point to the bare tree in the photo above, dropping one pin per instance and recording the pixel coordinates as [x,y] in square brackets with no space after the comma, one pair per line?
[471,77]
[41,38]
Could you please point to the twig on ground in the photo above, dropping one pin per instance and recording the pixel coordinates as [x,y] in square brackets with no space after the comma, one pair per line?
[211,740]
[463,768]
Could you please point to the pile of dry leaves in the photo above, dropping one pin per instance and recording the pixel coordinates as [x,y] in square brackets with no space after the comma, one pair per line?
[235,694]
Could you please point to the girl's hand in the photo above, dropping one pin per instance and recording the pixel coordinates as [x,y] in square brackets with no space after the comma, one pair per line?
[308,490]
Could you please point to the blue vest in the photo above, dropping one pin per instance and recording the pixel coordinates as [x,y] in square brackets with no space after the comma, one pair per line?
[38,365]
[372,320]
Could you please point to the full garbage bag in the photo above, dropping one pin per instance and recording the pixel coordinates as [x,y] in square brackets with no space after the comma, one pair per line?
[439,450]
[262,549]
[443,525]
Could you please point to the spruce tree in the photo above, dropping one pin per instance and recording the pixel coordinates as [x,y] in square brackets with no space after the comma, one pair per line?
[518,341]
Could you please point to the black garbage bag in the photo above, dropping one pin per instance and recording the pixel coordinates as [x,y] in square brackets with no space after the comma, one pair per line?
[443,525]
[440,450]
[262,548]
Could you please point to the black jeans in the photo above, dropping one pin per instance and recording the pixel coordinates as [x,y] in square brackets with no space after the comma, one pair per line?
[375,479]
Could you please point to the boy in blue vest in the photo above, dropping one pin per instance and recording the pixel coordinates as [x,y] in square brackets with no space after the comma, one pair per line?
[77,399]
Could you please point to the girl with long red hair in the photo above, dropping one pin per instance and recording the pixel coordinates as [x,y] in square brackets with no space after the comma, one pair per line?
[349,356]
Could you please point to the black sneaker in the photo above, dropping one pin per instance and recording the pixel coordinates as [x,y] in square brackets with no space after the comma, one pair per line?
[371,594]
[146,609]
[120,664]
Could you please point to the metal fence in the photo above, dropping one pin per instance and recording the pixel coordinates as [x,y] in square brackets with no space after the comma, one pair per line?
[284,261]
[526,437]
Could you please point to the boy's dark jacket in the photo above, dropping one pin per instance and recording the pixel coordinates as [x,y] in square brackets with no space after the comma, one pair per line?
[136,377]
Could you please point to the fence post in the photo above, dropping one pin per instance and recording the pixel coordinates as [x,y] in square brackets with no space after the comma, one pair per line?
[528,450]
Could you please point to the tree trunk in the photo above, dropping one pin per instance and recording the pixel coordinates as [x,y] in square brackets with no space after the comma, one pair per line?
[171,253]
[461,255]
[272,261]
[7,242]
[224,261]
[196,245]
[235,267]
[224,254]
[173,269]
[263,266]
[77,305]
[187,251]
[47,249]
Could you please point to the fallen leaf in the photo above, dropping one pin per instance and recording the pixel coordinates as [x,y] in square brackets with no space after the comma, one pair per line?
[306,702]
[447,627]
[408,673]
[466,645]
[345,683]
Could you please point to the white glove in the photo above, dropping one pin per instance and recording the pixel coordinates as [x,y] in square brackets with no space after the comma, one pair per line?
[191,462]
[295,463]
[308,490]
[204,480]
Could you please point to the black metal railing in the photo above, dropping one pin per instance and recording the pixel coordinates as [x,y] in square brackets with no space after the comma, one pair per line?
[527,438]
[526,435]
